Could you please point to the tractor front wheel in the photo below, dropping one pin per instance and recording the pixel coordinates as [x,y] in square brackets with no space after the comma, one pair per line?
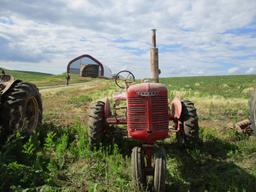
[159,170]
[138,167]
[189,133]
[96,124]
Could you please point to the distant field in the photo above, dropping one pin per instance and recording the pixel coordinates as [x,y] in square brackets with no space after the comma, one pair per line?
[236,86]
[28,75]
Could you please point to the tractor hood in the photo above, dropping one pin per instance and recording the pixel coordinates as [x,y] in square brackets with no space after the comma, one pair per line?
[147,90]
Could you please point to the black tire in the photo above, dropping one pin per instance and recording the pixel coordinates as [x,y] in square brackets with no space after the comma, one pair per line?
[252,106]
[96,124]
[159,170]
[189,135]
[20,110]
[138,166]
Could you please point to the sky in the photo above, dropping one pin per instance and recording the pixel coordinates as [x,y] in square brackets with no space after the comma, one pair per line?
[194,37]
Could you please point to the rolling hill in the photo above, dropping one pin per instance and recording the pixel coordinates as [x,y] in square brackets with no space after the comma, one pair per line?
[44,79]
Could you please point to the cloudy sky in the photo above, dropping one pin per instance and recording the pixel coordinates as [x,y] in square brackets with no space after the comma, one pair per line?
[194,37]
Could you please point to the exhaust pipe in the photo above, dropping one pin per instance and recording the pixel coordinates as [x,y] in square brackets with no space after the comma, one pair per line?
[154,58]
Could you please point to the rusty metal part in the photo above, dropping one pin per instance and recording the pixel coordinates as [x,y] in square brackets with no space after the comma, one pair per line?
[6,82]
[248,125]
[154,58]
[244,126]
[107,108]
[175,109]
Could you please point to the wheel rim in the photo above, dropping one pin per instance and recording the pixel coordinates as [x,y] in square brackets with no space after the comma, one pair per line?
[31,114]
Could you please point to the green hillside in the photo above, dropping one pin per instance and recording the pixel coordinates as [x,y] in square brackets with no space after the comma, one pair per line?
[44,79]
[28,75]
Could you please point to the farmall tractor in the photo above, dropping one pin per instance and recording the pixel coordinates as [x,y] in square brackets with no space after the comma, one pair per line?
[149,117]
[20,107]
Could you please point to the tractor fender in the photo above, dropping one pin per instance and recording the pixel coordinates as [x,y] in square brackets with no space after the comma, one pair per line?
[107,110]
[175,109]
[6,83]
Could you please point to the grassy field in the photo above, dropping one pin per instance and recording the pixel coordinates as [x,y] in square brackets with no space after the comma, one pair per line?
[57,156]
[45,80]
[27,75]
[225,86]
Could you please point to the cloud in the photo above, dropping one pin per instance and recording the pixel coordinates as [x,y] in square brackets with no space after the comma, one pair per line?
[251,70]
[10,52]
[194,37]
[233,70]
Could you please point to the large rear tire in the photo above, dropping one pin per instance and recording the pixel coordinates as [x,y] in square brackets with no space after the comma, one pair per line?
[159,170]
[20,110]
[252,105]
[189,135]
[138,167]
[97,124]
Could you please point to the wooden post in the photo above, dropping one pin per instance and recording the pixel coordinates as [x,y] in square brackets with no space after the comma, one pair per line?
[154,58]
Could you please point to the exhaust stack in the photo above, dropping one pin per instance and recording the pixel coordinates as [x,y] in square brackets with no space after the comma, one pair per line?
[154,58]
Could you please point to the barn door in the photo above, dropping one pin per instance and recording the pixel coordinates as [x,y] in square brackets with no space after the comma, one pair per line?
[91,71]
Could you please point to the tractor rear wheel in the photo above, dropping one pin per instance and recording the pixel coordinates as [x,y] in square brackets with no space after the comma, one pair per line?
[97,124]
[189,135]
[252,105]
[20,110]
[138,167]
[159,170]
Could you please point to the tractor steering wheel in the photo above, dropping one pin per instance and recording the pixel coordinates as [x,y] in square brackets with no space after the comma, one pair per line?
[124,78]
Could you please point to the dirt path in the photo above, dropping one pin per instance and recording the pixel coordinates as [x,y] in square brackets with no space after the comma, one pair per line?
[58,86]
[83,86]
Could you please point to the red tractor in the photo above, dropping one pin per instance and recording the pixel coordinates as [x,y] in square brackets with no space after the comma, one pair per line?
[149,117]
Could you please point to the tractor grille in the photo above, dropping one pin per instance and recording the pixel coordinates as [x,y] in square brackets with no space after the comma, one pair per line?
[147,111]
[136,113]
[159,113]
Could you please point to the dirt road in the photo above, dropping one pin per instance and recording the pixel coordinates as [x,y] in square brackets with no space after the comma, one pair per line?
[78,86]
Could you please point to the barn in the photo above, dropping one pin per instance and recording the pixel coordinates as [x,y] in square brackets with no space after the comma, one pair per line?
[88,66]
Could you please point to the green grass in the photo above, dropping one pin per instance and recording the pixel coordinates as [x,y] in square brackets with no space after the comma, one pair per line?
[57,156]
[43,79]
[27,75]
[59,159]
[80,100]
[216,165]
[226,86]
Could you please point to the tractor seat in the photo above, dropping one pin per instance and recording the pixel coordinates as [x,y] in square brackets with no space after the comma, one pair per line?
[120,96]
